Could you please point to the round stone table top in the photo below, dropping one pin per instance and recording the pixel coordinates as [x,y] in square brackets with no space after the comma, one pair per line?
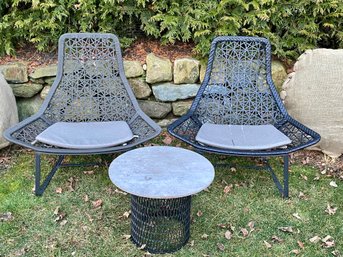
[161,172]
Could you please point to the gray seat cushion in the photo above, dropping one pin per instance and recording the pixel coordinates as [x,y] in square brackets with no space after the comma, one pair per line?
[241,137]
[86,135]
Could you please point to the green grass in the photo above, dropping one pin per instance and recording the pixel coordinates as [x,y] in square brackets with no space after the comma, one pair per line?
[91,231]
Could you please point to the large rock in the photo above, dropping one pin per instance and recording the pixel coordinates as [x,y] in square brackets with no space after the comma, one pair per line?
[8,109]
[279,74]
[50,80]
[155,109]
[15,73]
[180,108]
[140,88]
[313,95]
[168,92]
[133,69]
[186,70]
[202,72]
[46,71]
[158,69]
[26,90]
[28,106]
[165,122]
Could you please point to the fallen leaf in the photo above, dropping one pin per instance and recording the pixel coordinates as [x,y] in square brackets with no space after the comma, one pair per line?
[328,242]
[336,253]
[220,246]
[57,210]
[268,245]
[191,243]
[222,225]
[97,203]
[120,192]
[228,234]
[167,140]
[316,178]
[302,196]
[126,237]
[251,225]
[59,190]
[244,232]
[71,184]
[296,215]
[88,172]
[228,188]
[330,209]
[286,229]
[315,239]
[127,214]
[276,239]
[199,213]
[333,184]
[89,217]
[204,236]
[295,251]
[233,169]
[86,198]
[142,246]
[304,177]
[7,216]
[205,255]
[21,252]
[301,244]
[63,222]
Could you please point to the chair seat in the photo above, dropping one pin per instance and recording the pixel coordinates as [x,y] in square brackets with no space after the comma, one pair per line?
[241,137]
[86,135]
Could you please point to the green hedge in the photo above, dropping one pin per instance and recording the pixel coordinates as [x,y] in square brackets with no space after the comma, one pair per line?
[291,25]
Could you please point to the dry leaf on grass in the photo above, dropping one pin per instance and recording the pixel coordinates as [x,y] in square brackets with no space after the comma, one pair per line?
[336,253]
[71,184]
[228,234]
[59,190]
[199,213]
[297,216]
[228,188]
[120,192]
[276,239]
[63,222]
[88,172]
[330,209]
[286,229]
[328,242]
[97,203]
[303,177]
[191,243]
[301,244]
[244,232]
[295,251]
[268,245]
[167,140]
[333,184]
[204,236]
[7,216]
[85,198]
[315,239]
[126,237]
[221,247]
[302,196]
[142,246]
[126,214]
[251,225]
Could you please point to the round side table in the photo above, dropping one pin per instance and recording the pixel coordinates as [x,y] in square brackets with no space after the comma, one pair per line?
[161,181]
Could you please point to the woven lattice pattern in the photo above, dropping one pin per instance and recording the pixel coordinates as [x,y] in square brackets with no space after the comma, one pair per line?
[90,87]
[238,90]
[162,225]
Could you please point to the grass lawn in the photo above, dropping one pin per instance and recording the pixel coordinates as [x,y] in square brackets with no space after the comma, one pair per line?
[241,214]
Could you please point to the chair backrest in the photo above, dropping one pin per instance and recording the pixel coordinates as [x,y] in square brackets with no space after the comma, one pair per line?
[90,84]
[238,88]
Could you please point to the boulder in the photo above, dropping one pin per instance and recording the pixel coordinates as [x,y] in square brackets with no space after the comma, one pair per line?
[279,74]
[186,70]
[8,109]
[168,92]
[26,90]
[180,108]
[49,80]
[140,88]
[155,109]
[313,96]
[45,91]
[28,106]
[46,71]
[15,73]
[202,72]
[133,69]
[158,69]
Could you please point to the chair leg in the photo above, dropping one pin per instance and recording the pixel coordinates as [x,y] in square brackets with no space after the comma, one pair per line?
[283,189]
[40,188]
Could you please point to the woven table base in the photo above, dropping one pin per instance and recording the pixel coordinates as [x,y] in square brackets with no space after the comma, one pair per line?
[162,225]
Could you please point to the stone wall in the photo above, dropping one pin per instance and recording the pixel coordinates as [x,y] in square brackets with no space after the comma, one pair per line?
[164,89]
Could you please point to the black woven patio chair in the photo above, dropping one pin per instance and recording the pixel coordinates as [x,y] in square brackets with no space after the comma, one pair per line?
[90,108]
[237,110]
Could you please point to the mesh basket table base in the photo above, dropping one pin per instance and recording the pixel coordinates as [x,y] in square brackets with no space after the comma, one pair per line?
[162,225]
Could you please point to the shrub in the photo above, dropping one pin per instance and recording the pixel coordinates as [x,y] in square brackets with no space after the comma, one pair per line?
[291,26]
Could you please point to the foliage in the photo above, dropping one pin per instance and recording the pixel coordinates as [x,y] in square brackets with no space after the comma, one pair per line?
[291,25]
